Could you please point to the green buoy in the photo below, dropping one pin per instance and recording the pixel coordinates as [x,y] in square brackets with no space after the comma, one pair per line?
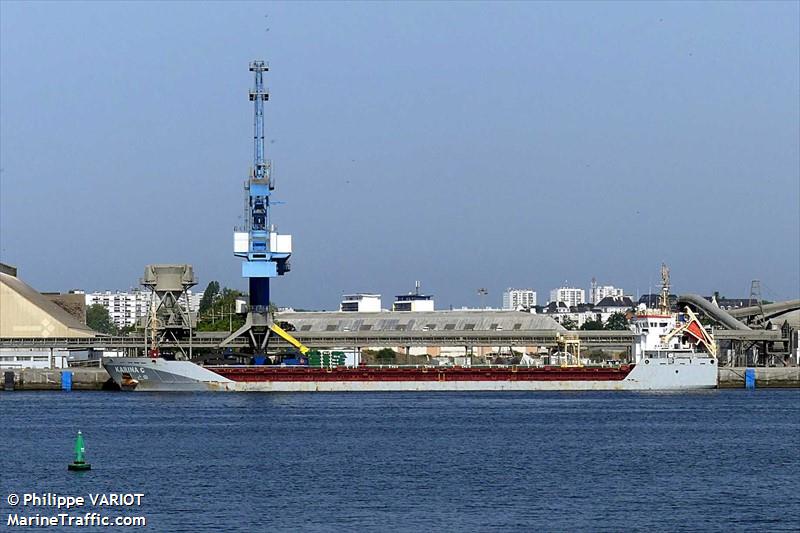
[79,463]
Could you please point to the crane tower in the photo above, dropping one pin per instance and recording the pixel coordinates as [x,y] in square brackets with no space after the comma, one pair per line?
[265,252]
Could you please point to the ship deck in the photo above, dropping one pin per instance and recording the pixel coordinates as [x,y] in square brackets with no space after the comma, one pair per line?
[378,373]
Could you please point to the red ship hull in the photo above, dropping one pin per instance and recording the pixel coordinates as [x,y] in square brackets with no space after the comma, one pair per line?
[405,374]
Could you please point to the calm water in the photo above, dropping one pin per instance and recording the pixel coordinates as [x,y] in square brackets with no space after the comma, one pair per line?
[719,460]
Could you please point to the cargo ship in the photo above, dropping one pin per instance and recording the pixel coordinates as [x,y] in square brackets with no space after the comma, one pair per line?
[671,372]
[665,357]
[671,351]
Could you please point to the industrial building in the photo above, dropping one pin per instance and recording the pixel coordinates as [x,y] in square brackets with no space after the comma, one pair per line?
[455,321]
[413,301]
[360,303]
[462,320]
[24,312]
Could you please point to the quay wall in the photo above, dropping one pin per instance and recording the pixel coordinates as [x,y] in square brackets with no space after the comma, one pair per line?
[50,379]
[766,377]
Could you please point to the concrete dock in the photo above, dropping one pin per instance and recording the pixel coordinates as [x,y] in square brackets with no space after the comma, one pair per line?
[769,377]
[46,379]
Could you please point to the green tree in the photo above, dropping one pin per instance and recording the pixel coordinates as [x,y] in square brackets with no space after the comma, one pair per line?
[592,325]
[220,314]
[209,295]
[386,355]
[97,318]
[617,322]
[568,323]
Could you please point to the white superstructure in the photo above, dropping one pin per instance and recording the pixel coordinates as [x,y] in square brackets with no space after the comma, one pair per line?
[662,334]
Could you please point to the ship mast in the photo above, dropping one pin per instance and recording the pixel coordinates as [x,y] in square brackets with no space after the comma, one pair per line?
[663,301]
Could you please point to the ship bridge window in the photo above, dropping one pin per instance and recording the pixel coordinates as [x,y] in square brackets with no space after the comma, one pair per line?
[493,326]
[469,327]
[663,324]
[365,327]
[431,327]
[307,327]
[330,327]
[449,326]
[517,326]
[400,327]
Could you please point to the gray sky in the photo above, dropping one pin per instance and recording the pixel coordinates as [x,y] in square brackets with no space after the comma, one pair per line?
[464,145]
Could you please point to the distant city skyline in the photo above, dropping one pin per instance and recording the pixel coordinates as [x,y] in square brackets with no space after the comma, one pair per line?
[507,298]
[472,145]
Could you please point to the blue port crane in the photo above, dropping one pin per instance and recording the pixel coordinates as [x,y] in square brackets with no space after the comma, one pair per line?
[265,252]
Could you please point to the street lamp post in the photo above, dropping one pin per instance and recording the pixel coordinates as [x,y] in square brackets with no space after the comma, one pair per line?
[482,292]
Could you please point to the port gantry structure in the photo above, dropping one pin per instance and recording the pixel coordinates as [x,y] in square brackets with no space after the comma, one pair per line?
[265,252]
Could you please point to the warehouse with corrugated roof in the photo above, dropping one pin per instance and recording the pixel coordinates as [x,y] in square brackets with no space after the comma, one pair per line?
[24,312]
[477,320]
[460,320]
